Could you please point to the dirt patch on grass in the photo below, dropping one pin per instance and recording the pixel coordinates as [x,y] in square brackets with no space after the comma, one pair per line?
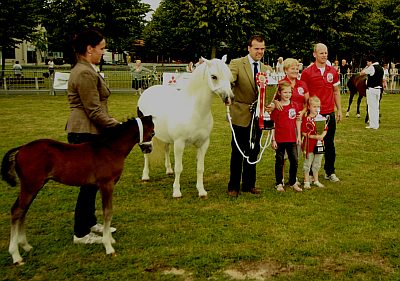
[257,270]
[358,264]
[179,272]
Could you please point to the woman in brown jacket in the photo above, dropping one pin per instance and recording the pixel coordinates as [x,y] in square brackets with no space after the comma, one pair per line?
[87,96]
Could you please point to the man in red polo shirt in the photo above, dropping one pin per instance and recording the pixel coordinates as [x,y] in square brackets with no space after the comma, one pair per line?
[323,81]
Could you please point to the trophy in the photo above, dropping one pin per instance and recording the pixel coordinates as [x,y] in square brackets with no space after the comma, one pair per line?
[264,119]
[320,124]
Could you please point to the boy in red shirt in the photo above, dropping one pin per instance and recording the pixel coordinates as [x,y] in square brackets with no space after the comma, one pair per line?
[286,136]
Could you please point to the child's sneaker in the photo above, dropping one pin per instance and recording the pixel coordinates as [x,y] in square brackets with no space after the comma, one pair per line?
[332,178]
[307,185]
[280,188]
[296,188]
[318,184]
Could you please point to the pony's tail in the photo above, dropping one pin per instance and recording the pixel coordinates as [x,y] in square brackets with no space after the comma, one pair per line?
[8,164]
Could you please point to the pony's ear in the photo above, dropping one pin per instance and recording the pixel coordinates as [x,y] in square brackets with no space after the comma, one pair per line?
[224,58]
[204,59]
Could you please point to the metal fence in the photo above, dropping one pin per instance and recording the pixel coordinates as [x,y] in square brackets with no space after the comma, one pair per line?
[39,80]
[392,83]
[42,81]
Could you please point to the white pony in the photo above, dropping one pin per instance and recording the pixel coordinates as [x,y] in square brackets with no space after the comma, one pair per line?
[183,116]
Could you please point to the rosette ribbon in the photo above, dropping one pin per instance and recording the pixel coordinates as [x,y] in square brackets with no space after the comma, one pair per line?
[261,81]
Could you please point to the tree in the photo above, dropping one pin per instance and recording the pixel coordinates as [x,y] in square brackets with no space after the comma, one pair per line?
[120,21]
[351,28]
[389,30]
[18,21]
[189,29]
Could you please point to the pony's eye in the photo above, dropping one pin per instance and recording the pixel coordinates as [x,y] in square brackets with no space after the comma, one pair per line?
[213,77]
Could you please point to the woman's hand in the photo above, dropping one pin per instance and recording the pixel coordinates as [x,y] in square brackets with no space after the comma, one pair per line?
[278,105]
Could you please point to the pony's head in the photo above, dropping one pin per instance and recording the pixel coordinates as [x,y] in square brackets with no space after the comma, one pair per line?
[218,77]
[142,130]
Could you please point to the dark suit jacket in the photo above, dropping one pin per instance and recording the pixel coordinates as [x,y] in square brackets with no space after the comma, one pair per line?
[244,89]
[87,95]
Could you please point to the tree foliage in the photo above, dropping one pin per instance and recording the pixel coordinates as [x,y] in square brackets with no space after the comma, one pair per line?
[18,21]
[120,21]
[351,28]
[188,29]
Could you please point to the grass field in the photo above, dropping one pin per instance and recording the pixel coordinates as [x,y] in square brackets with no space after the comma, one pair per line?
[347,231]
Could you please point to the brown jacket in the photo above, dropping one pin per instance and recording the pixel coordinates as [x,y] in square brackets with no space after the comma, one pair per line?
[87,95]
[244,89]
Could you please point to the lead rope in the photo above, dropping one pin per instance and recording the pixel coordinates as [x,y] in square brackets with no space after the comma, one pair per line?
[266,144]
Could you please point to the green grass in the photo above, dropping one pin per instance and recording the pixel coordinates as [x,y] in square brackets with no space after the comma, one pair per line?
[348,231]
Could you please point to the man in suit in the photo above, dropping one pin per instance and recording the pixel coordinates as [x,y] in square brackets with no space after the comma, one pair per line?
[246,92]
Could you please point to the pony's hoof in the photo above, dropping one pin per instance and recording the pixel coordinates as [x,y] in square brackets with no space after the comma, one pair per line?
[19,263]
[358,115]
[204,197]
[27,247]
[347,114]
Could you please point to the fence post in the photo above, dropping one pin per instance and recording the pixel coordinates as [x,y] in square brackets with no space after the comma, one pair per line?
[36,83]
[5,83]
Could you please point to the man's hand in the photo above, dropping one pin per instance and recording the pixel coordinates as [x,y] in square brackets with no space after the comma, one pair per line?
[339,116]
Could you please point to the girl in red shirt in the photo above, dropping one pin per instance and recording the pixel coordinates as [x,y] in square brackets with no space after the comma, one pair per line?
[312,161]
[286,136]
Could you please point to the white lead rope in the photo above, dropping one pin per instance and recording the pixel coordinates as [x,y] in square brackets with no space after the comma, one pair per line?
[266,144]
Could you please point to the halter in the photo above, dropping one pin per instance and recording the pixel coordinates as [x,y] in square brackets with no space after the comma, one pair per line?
[140,127]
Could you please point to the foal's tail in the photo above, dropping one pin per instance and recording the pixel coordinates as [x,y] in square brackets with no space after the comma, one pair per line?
[8,164]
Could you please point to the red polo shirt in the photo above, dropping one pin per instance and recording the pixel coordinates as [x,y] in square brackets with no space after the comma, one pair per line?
[321,85]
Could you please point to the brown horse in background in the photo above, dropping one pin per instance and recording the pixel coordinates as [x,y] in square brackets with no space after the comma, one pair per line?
[97,163]
[356,84]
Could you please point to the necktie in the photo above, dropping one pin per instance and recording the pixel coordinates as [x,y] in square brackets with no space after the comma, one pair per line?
[255,69]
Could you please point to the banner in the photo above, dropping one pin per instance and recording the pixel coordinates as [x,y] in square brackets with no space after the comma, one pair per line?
[60,80]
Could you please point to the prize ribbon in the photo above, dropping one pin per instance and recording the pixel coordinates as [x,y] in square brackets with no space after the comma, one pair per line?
[261,80]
